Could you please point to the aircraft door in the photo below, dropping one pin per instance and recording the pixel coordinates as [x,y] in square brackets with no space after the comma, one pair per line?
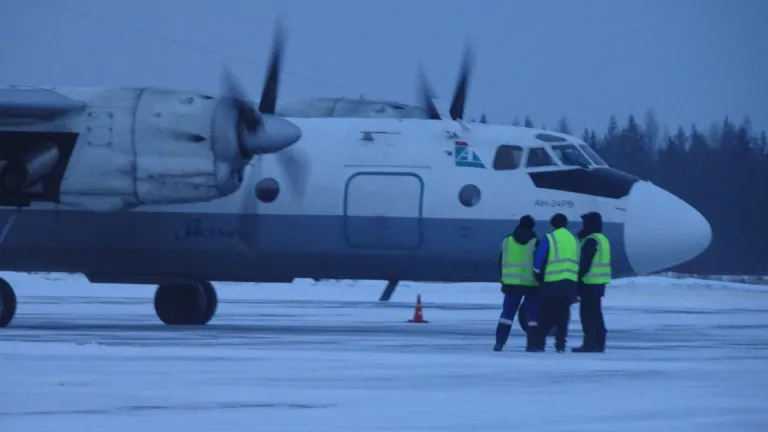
[383,210]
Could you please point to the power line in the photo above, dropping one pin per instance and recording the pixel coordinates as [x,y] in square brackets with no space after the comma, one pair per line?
[187,44]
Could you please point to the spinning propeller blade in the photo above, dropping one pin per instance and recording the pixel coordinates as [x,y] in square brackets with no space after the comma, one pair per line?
[459,94]
[261,131]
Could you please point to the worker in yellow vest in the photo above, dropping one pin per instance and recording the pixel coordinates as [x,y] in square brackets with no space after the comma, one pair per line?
[594,275]
[556,267]
[517,281]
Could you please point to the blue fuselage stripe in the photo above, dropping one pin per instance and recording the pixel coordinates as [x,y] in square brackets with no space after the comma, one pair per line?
[119,246]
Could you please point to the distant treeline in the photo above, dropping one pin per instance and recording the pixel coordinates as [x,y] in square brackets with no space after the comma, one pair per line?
[722,171]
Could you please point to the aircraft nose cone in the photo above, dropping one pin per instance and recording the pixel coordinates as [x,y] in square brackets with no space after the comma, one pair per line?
[661,230]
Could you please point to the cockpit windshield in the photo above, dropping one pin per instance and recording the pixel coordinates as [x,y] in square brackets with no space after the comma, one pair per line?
[592,155]
[570,155]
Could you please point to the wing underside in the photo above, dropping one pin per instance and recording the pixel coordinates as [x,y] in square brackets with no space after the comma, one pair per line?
[33,104]
[34,152]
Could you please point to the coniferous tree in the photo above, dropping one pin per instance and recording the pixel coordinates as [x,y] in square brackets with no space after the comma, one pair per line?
[721,170]
[528,122]
[562,126]
[613,126]
[593,140]
[651,128]
[762,146]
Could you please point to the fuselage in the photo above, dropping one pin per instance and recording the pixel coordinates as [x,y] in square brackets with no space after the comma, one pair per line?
[385,199]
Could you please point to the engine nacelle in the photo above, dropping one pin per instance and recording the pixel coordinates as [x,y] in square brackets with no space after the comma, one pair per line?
[146,146]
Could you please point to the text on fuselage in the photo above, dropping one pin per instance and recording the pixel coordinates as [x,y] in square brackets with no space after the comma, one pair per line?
[197,230]
[554,203]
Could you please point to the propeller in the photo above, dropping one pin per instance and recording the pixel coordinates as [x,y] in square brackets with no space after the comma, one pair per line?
[427,95]
[456,111]
[260,131]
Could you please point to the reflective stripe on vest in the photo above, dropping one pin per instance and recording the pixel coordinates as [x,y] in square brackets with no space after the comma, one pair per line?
[563,256]
[517,262]
[600,270]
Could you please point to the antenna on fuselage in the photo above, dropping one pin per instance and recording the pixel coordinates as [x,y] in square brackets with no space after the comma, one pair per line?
[464,127]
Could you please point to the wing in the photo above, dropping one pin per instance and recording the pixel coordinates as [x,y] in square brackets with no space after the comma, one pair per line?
[34,104]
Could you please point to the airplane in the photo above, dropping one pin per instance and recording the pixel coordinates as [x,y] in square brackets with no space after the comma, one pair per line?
[181,188]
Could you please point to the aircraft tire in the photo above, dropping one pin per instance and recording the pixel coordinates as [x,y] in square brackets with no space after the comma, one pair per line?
[190,303]
[211,302]
[7,303]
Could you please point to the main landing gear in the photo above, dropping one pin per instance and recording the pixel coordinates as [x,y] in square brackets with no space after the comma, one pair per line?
[186,303]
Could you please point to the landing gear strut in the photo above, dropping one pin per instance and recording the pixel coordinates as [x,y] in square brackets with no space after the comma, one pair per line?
[186,303]
[7,303]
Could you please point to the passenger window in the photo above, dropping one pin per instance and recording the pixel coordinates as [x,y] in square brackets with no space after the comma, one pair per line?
[538,157]
[592,155]
[570,155]
[508,157]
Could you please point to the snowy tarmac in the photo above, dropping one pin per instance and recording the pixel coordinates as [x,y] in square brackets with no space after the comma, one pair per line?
[683,355]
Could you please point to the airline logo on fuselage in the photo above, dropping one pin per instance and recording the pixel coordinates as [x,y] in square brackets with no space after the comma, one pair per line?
[465,156]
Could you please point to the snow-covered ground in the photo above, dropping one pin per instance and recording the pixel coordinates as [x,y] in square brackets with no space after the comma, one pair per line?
[683,355]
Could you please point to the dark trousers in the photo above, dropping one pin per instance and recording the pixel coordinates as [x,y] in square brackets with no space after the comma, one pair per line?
[509,310]
[554,311]
[592,322]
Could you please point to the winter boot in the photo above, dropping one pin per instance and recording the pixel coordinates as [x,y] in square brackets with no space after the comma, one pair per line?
[587,346]
[600,343]
[532,343]
[502,334]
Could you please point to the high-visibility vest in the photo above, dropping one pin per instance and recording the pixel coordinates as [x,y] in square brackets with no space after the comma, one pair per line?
[517,262]
[600,270]
[563,256]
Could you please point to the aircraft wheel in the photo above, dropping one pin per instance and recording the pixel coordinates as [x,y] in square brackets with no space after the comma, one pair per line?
[211,302]
[7,303]
[190,303]
[522,319]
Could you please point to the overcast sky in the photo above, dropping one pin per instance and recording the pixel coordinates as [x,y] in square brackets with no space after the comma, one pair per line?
[692,61]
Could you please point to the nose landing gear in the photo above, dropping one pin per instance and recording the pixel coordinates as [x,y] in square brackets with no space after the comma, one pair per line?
[186,303]
[7,303]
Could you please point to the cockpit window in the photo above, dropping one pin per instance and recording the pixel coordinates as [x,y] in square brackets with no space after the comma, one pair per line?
[570,155]
[508,157]
[539,157]
[592,155]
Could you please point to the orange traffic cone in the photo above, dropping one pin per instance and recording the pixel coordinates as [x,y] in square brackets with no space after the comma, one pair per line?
[418,317]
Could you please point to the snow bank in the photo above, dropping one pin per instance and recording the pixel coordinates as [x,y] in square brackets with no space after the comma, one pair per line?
[747,279]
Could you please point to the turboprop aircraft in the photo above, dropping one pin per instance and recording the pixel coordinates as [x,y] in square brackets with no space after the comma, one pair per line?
[181,188]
